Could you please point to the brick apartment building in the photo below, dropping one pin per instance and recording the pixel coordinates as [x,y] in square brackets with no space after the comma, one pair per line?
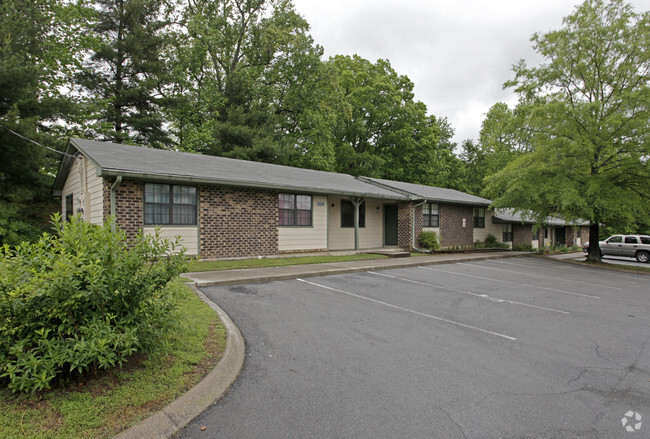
[227,208]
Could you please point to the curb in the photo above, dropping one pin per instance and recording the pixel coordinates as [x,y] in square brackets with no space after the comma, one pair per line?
[604,266]
[177,414]
[329,271]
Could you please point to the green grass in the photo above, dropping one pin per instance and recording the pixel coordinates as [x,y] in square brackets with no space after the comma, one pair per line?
[107,404]
[221,265]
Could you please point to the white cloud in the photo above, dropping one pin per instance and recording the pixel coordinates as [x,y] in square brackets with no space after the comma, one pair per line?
[457,52]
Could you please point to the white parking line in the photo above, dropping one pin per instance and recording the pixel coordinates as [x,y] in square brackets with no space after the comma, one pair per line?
[512,283]
[555,269]
[440,319]
[481,296]
[539,276]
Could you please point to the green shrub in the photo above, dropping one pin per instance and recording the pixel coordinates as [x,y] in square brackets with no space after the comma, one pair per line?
[490,240]
[428,240]
[82,300]
[523,248]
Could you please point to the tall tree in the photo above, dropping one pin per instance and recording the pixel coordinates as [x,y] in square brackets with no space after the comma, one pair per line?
[125,75]
[34,57]
[501,140]
[245,62]
[369,124]
[587,113]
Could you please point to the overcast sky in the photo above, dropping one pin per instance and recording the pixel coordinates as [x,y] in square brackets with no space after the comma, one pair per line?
[458,53]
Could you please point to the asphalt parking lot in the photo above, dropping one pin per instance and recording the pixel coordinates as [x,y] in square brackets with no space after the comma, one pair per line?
[514,348]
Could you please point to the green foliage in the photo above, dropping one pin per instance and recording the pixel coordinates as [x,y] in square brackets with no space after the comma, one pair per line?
[81,301]
[374,127]
[245,72]
[502,139]
[428,240]
[523,248]
[124,71]
[587,115]
[31,65]
[491,240]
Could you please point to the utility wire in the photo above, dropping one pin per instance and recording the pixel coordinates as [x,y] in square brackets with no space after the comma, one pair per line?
[35,142]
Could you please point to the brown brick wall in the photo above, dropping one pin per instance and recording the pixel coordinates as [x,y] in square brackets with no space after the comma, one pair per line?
[584,234]
[452,231]
[128,205]
[570,235]
[404,221]
[522,234]
[237,222]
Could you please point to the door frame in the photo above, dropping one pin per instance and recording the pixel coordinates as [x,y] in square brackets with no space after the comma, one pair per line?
[396,225]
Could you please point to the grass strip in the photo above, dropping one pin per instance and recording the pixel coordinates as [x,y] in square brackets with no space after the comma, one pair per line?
[112,401]
[220,265]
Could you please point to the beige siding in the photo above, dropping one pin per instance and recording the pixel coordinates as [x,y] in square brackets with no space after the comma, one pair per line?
[86,189]
[72,186]
[307,238]
[95,194]
[370,236]
[189,236]
[490,228]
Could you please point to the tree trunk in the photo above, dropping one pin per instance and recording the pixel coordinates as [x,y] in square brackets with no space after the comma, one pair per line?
[594,249]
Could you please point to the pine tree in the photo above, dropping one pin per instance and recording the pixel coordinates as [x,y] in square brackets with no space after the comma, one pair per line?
[126,74]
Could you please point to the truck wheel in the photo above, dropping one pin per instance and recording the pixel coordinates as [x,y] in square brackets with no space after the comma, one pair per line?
[643,256]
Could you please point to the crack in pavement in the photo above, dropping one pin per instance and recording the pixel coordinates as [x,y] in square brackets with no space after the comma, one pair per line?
[452,420]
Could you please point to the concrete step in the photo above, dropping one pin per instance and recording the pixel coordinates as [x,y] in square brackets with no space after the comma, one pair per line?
[391,253]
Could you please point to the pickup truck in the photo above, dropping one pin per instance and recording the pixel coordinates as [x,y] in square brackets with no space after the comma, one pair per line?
[633,246]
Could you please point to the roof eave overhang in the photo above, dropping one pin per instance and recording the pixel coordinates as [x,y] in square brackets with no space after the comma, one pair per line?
[419,197]
[220,182]
[64,170]
[460,203]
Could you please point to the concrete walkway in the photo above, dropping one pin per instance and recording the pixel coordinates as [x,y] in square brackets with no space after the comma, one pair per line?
[268,274]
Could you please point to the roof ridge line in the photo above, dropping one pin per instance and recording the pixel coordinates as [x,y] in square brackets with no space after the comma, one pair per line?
[410,195]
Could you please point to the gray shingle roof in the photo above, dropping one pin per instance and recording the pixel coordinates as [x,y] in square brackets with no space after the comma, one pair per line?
[433,193]
[161,165]
[510,216]
[149,163]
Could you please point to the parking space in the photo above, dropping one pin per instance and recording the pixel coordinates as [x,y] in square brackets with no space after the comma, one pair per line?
[522,347]
[607,259]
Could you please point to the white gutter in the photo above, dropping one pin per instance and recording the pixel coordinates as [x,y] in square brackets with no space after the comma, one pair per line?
[413,228]
[118,182]
[356,202]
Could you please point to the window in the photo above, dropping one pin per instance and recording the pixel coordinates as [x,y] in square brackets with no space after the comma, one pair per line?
[295,210]
[169,204]
[536,235]
[430,215]
[645,239]
[69,211]
[479,217]
[615,239]
[631,240]
[347,214]
[507,233]
[545,233]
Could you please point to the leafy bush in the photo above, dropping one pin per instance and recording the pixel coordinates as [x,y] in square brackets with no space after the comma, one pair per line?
[81,301]
[523,248]
[428,240]
[490,240]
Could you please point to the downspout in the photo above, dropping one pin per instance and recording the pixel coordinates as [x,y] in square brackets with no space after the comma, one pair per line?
[356,202]
[118,182]
[413,228]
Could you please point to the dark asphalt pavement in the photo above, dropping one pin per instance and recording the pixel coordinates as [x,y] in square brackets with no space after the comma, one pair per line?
[517,348]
